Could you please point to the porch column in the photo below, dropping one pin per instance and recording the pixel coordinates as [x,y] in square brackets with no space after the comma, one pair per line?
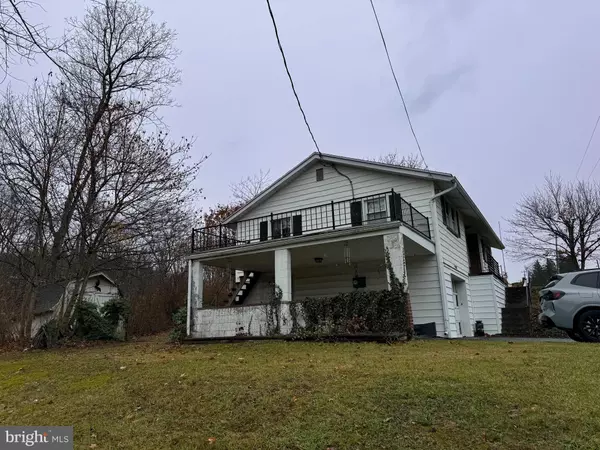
[394,244]
[283,273]
[195,290]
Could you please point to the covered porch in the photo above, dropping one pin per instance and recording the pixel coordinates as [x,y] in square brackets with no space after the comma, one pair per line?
[318,266]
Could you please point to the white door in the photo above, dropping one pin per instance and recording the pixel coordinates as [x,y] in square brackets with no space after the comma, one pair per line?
[456,308]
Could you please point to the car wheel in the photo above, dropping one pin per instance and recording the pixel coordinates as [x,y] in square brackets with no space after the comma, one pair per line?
[575,336]
[589,325]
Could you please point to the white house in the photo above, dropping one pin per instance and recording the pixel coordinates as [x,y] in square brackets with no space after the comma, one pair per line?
[99,290]
[323,227]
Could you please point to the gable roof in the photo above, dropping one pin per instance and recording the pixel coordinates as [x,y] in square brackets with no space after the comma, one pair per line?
[441,179]
[47,297]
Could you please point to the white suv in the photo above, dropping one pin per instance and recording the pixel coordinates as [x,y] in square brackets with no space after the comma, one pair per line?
[571,302]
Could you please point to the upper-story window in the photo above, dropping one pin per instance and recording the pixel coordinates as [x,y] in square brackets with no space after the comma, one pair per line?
[280,228]
[376,208]
[450,217]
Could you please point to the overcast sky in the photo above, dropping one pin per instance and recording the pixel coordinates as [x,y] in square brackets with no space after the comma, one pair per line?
[500,92]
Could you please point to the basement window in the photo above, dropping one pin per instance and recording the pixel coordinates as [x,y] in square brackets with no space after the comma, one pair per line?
[450,218]
[320,174]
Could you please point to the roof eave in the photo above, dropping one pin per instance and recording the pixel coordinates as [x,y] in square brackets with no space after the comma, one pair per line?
[333,159]
[498,242]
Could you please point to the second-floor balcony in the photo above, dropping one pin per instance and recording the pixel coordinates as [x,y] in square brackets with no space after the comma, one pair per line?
[327,217]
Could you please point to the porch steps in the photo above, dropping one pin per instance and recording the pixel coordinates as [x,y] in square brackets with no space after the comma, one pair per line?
[242,287]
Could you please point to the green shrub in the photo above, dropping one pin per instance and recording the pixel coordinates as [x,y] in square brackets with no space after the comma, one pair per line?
[117,310]
[89,324]
[374,312]
[385,312]
[180,322]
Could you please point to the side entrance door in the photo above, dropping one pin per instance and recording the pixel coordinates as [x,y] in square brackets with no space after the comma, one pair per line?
[456,307]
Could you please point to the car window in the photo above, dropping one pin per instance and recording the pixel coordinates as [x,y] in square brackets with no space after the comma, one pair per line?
[553,280]
[586,280]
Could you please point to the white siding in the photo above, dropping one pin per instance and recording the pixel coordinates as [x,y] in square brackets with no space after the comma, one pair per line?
[454,249]
[304,191]
[92,294]
[424,289]
[500,294]
[455,259]
[329,281]
[488,296]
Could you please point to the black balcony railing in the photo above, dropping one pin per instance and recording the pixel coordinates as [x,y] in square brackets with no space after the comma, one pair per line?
[492,266]
[369,210]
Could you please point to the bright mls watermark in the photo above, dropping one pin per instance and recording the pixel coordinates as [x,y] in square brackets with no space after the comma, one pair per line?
[47,438]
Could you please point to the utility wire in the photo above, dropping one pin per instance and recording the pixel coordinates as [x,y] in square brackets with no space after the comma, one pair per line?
[594,168]
[397,84]
[587,148]
[291,80]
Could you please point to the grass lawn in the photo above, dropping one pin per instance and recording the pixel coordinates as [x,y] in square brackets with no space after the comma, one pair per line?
[293,395]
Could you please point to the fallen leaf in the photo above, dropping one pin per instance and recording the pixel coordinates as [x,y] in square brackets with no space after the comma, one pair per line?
[212,440]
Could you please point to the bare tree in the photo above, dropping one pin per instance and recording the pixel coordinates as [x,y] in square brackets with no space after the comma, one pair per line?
[563,216]
[19,38]
[412,160]
[93,182]
[247,188]
[117,59]
[34,138]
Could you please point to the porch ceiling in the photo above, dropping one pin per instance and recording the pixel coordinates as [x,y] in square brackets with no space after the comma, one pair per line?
[333,253]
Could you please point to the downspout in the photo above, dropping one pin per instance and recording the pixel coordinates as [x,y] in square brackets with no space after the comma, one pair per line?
[438,245]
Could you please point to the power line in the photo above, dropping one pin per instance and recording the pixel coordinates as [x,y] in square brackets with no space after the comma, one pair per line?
[588,147]
[594,168]
[397,84]
[290,78]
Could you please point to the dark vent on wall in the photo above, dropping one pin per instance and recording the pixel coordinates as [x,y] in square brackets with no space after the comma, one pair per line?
[319,174]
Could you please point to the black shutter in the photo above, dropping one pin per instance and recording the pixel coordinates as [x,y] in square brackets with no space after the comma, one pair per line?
[356,213]
[395,206]
[297,225]
[276,229]
[264,231]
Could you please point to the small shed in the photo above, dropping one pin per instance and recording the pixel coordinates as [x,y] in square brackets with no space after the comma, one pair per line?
[100,289]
